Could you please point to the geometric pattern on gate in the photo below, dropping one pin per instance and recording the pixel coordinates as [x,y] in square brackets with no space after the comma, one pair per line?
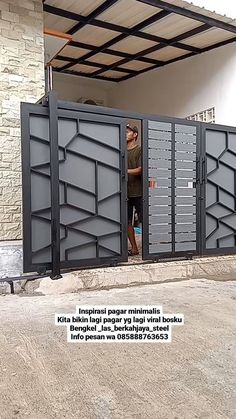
[90,191]
[220,189]
[89,186]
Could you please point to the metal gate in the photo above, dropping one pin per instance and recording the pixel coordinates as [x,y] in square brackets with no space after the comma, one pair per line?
[171,189]
[74,188]
[219,177]
[75,181]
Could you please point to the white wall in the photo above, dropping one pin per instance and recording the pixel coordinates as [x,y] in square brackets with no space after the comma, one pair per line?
[179,89]
[71,88]
[184,88]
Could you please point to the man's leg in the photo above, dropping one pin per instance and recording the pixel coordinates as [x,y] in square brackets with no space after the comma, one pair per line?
[131,234]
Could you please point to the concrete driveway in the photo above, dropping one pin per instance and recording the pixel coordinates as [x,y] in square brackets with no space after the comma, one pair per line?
[44,377]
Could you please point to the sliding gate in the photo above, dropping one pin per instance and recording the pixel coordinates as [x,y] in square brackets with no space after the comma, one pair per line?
[75,181]
[172,183]
[219,213]
[74,188]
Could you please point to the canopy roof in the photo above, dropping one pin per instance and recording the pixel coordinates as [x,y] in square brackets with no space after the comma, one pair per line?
[119,39]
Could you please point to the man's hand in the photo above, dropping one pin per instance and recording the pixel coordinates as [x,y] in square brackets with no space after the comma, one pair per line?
[135,172]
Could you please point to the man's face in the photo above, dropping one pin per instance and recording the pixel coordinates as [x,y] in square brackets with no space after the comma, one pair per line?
[130,135]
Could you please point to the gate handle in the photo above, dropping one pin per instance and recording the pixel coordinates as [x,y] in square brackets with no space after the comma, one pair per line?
[198,170]
[204,170]
[123,167]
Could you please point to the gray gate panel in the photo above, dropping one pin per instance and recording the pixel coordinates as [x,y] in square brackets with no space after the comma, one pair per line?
[226,199]
[159,219]
[185,156]
[215,143]
[185,200]
[159,126]
[163,173]
[87,201]
[93,164]
[160,248]
[211,195]
[39,153]
[185,192]
[185,147]
[154,200]
[185,138]
[71,215]
[161,209]
[219,211]
[187,237]
[159,164]
[161,191]
[186,173]
[185,218]
[229,160]
[39,126]
[185,228]
[172,200]
[110,209]
[107,135]
[92,188]
[183,182]
[220,178]
[185,164]
[78,172]
[185,209]
[184,247]
[159,140]
[40,192]
[67,129]
[159,154]
[223,177]
[109,183]
[232,141]
[91,150]
[188,129]
[164,182]
[159,135]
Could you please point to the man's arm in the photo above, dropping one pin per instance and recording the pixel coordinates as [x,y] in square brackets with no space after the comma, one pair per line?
[135,172]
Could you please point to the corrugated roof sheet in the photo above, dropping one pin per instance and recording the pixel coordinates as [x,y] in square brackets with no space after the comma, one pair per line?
[131,36]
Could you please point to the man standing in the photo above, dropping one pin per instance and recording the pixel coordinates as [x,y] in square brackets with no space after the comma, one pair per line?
[134,184]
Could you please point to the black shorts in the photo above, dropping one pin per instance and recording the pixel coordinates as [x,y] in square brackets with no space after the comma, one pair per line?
[135,202]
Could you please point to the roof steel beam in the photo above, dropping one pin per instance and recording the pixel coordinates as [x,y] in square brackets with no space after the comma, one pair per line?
[211,47]
[112,52]
[190,14]
[104,67]
[124,32]
[117,39]
[82,74]
[100,9]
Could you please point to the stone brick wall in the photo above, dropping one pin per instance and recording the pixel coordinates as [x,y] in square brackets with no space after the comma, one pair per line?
[21,79]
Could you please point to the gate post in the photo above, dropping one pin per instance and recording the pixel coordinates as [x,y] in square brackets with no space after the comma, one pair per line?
[54,173]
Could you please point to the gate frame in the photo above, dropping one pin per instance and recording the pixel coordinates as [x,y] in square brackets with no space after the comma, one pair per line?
[50,109]
[144,124]
[50,102]
[217,251]
[180,254]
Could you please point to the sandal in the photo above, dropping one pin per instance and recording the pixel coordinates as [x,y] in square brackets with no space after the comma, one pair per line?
[130,253]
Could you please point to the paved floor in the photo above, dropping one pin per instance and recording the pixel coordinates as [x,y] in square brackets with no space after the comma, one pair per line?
[44,377]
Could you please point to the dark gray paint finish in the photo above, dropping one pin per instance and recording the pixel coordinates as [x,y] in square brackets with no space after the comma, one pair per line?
[220,193]
[92,189]
[172,202]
